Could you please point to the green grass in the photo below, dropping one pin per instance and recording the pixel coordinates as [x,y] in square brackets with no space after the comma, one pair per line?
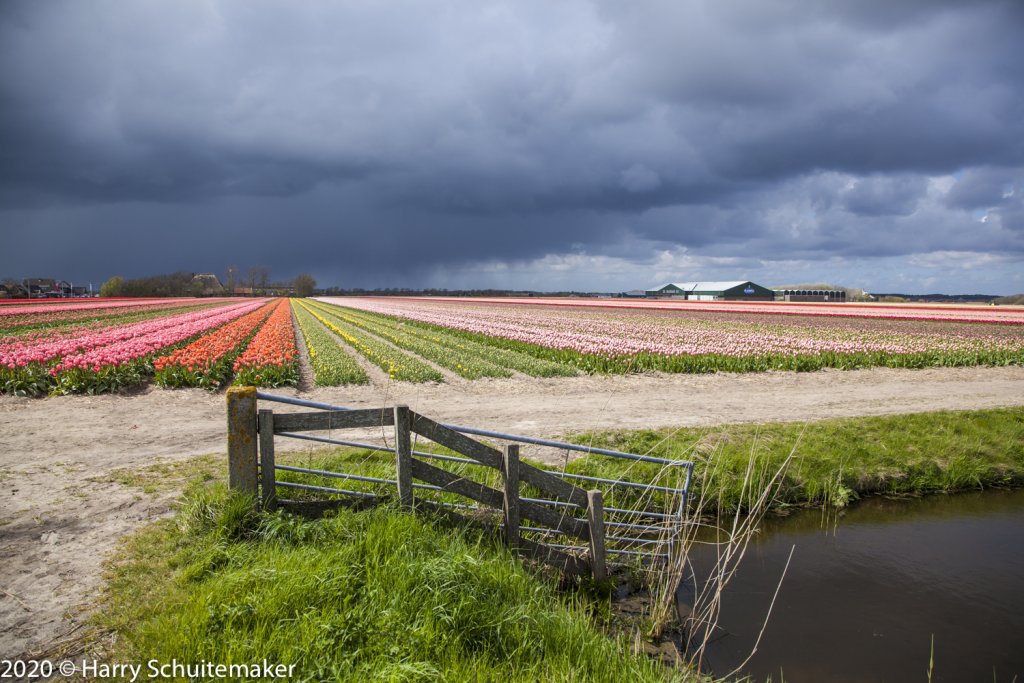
[167,476]
[837,461]
[386,595]
[380,595]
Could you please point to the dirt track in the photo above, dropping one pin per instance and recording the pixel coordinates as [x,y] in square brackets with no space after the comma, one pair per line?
[52,451]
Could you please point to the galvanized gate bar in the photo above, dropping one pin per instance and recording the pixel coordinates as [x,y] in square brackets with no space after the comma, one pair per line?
[326,489]
[265,421]
[495,435]
[335,442]
[338,475]
[535,508]
[618,482]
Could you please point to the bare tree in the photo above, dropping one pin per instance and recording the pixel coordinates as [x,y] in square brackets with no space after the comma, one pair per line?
[231,279]
[259,276]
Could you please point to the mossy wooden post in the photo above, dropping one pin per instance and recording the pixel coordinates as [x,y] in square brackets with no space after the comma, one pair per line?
[403,456]
[243,468]
[268,477]
[595,521]
[510,508]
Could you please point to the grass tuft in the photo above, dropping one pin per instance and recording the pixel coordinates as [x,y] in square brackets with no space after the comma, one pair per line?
[374,595]
[835,462]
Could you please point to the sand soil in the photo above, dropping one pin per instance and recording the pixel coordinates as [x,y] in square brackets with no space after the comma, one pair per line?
[65,499]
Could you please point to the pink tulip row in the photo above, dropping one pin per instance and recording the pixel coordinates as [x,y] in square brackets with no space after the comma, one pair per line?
[67,316]
[88,305]
[58,302]
[116,344]
[615,332]
[920,312]
[132,348]
[72,329]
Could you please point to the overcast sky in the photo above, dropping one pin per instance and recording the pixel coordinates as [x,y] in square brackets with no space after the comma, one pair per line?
[532,144]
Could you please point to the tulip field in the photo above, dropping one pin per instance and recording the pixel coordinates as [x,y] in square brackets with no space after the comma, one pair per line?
[94,346]
[118,345]
[618,336]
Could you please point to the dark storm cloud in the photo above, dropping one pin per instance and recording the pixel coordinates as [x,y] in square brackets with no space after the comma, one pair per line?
[981,188]
[387,141]
[885,196]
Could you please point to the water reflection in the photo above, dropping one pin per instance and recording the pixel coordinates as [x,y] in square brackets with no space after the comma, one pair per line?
[865,594]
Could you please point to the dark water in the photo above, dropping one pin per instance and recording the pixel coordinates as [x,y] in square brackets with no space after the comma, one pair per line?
[865,595]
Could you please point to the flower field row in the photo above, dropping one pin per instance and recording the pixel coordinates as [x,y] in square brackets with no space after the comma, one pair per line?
[158,333]
[919,312]
[465,364]
[193,348]
[125,362]
[55,320]
[398,365]
[19,310]
[206,362]
[10,342]
[207,343]
[64,302]
[611,340]
[466,358]
[331,365]
[271,358]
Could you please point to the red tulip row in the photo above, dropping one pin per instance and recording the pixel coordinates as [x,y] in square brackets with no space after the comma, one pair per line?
[206,362]
[271,359]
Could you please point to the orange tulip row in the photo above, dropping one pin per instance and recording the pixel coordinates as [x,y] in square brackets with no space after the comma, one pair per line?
[202,363]
[271,359]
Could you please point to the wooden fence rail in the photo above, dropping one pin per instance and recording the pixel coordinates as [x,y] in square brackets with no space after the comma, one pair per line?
[253,471]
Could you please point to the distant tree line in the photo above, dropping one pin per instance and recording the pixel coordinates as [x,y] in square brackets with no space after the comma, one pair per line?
[255,283]
[900,297]
[173,284]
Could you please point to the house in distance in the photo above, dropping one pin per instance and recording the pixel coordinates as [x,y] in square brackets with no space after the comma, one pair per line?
[736,290]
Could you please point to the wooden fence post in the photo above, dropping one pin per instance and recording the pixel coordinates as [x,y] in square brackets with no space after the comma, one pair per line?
[242,457]
[403,456]
[595,522]
[510,473]
[268,478]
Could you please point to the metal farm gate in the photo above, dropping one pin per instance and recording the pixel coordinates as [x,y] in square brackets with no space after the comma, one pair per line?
[544,514]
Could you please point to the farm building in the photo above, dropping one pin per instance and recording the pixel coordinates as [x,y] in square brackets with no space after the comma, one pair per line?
[48,288]
[41,287]
[12,290]
[833,295]
[206,284]
[737,290]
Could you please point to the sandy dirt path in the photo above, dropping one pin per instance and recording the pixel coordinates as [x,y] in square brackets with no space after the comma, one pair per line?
[62,511]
